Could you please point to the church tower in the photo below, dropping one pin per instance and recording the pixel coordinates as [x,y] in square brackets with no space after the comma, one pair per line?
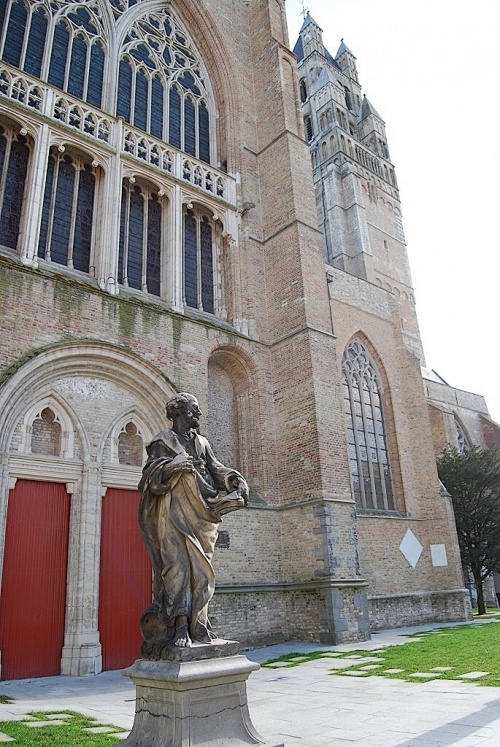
[357,195]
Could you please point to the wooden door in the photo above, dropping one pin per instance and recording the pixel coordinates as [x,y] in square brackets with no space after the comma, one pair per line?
[125,586]
[33,596]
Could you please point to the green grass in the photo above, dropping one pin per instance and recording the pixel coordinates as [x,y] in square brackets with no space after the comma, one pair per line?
[466,648]
[71,734]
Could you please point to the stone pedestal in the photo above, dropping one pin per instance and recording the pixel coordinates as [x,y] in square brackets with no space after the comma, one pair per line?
[194,696]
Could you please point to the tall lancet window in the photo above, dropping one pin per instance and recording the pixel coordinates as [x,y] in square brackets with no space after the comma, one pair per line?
[463,441]
[14,155]
[140,239]
[199,261]
[61,42]
[68,211]
[367,444]
[161,85]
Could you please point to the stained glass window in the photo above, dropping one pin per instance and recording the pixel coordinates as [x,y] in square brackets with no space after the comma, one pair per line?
[463,441]
[14,156]
[198,261]
[367,446]
[140,239]
[68,210]
[161,85]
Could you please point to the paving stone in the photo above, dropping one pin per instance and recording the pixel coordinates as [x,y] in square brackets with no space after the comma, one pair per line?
[371,666]
[57,715]
[39,724]
[6,738]
[441,669]
[424,674]
[99,729]
[118,734]
[356,673]
[473,675]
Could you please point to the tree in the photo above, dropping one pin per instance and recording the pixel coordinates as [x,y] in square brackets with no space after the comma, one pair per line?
[473,481]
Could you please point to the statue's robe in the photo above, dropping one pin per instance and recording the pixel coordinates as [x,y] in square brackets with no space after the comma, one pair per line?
[180,528]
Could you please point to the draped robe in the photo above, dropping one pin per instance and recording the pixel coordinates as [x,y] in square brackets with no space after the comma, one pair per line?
[180,528]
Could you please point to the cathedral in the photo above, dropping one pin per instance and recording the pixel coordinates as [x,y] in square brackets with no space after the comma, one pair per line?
[188,205]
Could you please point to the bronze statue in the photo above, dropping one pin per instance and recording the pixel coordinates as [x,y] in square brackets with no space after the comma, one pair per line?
[179,515]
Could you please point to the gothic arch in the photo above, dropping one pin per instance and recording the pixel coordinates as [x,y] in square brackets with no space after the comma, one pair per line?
[212,47]
[135,415]
[234,411]
[369,420]
[148,386]
[64,415]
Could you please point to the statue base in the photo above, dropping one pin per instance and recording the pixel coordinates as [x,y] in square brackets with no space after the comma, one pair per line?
[193,696]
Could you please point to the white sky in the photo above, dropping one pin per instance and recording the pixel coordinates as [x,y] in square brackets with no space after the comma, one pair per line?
[430,69]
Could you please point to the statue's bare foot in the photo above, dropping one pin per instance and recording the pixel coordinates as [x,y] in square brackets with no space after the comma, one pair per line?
[181,638]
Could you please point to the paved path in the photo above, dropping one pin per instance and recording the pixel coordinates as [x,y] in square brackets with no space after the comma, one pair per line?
[304,705]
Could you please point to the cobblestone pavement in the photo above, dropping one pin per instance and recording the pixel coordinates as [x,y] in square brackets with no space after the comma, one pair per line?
[304,705]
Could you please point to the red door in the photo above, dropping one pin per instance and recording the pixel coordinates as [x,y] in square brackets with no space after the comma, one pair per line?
[33,598]
[125,585]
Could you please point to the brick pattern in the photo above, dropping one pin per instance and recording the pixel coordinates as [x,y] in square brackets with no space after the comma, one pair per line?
[295,563]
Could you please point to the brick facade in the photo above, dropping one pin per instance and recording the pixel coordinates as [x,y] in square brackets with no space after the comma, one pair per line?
[301,562]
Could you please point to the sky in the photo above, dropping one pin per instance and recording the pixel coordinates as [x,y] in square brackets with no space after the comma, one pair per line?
[430,69]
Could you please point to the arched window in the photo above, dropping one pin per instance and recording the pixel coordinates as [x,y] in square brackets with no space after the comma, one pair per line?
[140,239]
[130,445]
[347,95]
[308,128]
[368,457]
[161,86]
[14,155]
[303,90]
[46,433]
[68,211]
[77,52]
[199,261]
[463,441]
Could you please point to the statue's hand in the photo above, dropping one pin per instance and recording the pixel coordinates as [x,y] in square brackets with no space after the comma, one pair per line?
[241,487]
[182,463]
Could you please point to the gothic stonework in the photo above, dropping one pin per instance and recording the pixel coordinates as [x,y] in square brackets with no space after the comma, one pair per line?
[159,234]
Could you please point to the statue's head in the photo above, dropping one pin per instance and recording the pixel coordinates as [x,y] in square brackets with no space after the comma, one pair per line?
[184,406]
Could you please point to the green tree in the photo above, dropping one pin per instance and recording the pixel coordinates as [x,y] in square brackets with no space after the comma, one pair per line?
[473,481]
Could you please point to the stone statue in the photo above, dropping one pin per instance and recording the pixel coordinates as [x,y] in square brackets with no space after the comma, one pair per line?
[179,515]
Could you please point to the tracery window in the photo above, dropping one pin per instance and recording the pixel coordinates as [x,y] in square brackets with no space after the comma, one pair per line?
[140,239]
[46,433]
[368,456]
[199,261]
[463,441]
[14,156]
[161,87]
[64,38]
[68,210]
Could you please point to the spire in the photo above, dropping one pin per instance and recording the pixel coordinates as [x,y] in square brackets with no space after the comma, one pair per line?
[367,108]
[343,49]
[310,38]
[308,21]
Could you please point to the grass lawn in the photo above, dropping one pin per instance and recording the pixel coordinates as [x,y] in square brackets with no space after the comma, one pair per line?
[71,734]
[444,653]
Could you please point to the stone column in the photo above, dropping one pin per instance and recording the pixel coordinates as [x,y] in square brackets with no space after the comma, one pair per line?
[81,653]
[34,198]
